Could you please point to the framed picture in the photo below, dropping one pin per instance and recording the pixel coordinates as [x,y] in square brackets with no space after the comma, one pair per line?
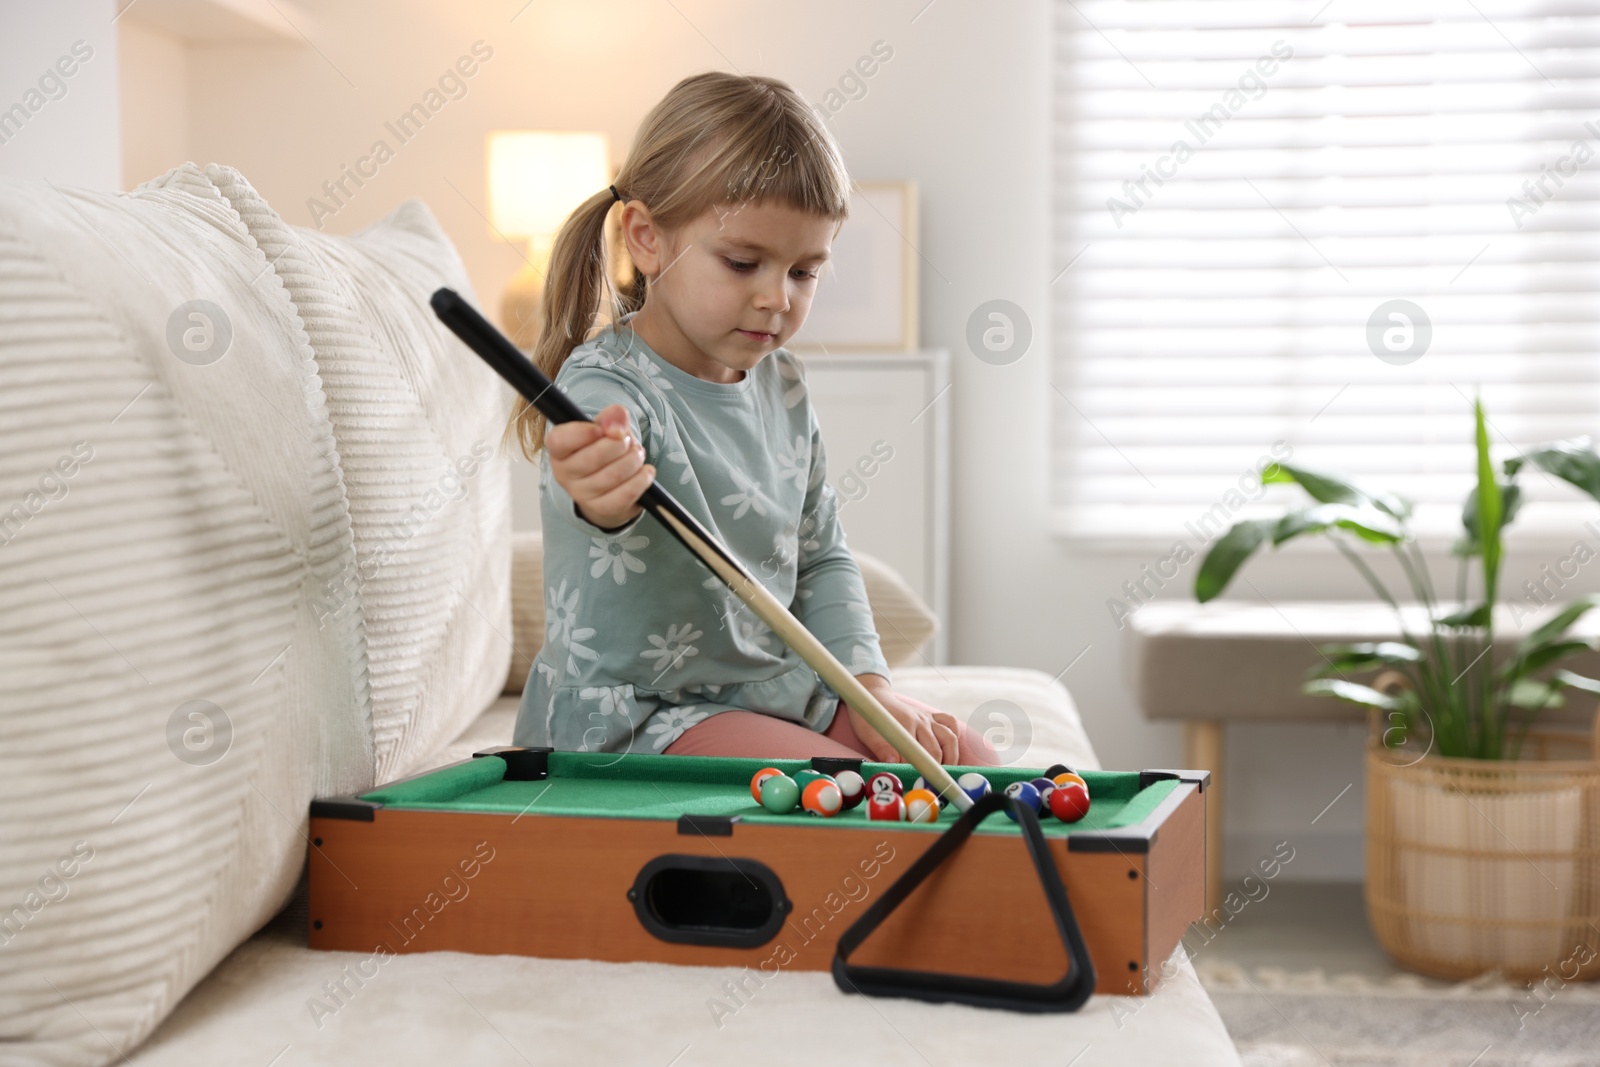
[867,296]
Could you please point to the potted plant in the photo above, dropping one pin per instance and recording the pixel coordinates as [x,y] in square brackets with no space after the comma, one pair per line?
[1481,848]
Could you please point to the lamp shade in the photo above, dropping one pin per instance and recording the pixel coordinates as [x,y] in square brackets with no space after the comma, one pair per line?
[537,178]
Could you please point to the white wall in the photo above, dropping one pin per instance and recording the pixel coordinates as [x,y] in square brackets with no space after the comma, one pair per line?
[70,134]
[962,108]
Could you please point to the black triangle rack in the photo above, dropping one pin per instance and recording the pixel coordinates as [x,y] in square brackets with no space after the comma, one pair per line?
[1066,994]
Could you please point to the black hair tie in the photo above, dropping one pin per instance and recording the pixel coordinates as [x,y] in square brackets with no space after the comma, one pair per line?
[616,194]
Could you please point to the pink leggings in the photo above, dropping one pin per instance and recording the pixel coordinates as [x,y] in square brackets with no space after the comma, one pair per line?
[758,736]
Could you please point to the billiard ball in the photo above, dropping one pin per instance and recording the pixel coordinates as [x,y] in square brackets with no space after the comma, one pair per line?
[805,777]
[1045,786]
[1058,768]
[922,806]
[922,784]
[1025,793]
[760,776]
[885,782]
[1069,802]
[974,785]
[851,788]
[886,807]
[779,794]
[1071,776]
[821,797]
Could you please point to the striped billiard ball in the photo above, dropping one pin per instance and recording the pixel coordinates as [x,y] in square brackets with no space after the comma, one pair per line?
[886,807]
[779,794]
[885,782]
[821,797]
[851,788]
[760,776]
[922,806]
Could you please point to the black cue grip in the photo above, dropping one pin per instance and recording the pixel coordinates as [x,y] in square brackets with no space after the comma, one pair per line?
[519,371]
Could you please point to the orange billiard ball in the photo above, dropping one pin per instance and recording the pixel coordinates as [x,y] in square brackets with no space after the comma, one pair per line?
[760,776]
[922,805]
[822,797]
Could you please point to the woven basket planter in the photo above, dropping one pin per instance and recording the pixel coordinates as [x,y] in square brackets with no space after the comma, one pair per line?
[1487,865]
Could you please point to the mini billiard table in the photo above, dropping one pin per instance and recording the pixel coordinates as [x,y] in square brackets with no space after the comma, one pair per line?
[670,859]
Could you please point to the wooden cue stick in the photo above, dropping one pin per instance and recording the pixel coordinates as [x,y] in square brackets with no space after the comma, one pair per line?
[496,350]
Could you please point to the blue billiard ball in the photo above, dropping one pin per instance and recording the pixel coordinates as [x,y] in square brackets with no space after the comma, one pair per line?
[1045,786]
[1026,793]
[974,785]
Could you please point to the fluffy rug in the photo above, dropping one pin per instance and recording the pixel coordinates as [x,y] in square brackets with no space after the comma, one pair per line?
[1280,1019]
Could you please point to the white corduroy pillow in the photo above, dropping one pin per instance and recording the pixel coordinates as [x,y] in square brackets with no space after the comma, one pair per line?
[417,417]
[170,500]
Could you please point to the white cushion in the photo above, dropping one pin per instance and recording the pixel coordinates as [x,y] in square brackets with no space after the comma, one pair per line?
[450,1007]
[177,564]
[417,417]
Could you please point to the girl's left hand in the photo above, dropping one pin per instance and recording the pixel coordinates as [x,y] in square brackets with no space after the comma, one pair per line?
[934,730]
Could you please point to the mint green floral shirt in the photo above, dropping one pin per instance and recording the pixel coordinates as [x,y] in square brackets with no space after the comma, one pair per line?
[642,641]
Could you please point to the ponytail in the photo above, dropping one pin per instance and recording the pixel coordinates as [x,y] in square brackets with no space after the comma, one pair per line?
[576,286]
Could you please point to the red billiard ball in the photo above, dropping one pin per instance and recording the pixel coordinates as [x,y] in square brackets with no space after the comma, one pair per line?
[886,807]
[1069,802]
[851,788]
[885,782]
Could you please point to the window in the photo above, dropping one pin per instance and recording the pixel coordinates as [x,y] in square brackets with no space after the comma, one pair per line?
[1245,190]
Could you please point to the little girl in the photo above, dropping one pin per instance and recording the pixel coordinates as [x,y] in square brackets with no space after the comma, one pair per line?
[730,198]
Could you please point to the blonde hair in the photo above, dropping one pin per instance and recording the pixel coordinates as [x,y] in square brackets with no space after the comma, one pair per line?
[714,138]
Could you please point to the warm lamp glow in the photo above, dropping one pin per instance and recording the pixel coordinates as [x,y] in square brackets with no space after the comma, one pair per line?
[537,178]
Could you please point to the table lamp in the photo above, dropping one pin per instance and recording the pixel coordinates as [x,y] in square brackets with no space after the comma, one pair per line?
[536,179]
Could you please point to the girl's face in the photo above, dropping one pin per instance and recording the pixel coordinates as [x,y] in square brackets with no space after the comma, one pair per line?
[730,286]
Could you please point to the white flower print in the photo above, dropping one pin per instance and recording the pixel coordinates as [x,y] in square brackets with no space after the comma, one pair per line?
[678,456]
[560,611]
[670,651]
[547,672]
[793,462]
[790,371]
[748,498]
[612,698]
[862,660]
[755,632]
[616,554]
[576,649]
[673,722]
[652,373]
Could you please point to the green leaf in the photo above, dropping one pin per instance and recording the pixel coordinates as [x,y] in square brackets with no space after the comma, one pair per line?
[1353,693]
[1365,522]
[1511,497]
[1572,461]
[1527,693]
[1558,623]
[1490,506]
[1475,617]
[1544,655]
[1364,657]
[1577,681]
[1327,489]
[1228,554]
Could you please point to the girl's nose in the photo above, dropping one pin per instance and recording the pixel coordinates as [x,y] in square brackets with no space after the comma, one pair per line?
[773,296]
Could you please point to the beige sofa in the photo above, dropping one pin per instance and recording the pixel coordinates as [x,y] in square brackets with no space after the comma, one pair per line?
[255,548]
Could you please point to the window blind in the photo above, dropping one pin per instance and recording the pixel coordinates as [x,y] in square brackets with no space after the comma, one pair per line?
[1243,189]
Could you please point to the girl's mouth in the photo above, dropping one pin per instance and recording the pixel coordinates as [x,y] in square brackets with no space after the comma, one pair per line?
[755,336]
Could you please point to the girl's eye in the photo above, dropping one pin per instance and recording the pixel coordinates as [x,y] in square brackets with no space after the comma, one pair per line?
[806,274]
[738,265]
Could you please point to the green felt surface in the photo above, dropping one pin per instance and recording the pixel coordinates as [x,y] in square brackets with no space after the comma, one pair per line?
[603,785]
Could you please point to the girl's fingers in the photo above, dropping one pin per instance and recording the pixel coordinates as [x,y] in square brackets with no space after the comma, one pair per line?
[624,496]
[949,742]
